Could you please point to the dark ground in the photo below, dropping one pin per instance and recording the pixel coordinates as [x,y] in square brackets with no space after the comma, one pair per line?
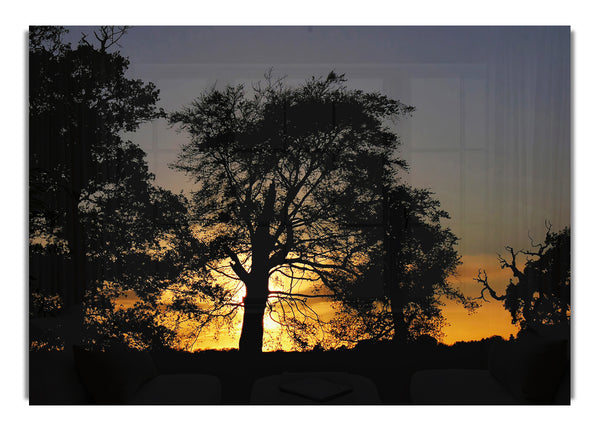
[389,367]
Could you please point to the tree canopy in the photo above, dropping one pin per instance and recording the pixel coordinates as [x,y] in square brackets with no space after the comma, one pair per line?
[413,266]
[79,102]
[299,184]
[540,294]
[99,227]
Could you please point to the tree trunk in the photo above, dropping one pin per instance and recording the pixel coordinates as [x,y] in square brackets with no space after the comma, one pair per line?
[401,332]
[78,285]
[397,302]
[79,175]
[257,282]
[255,301]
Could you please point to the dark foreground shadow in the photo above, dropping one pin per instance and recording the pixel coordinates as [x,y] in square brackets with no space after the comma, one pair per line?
[376,374]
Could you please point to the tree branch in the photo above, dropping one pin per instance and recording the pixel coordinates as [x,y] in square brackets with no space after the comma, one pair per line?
[301,295]
[513,264]
[483,279]
[236,265]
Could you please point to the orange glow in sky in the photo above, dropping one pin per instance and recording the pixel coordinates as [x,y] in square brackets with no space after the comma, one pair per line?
[488,320]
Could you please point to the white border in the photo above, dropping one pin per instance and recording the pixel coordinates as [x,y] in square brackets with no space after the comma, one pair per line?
[586,158]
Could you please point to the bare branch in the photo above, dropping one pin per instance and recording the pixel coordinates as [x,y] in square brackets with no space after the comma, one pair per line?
[109,36]
[482,278]
[513,263]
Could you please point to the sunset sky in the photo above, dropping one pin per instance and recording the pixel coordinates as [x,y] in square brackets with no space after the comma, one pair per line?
[442,49]
[490,135]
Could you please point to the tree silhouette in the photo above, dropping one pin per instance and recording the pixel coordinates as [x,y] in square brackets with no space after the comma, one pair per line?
[291,182]
[413,266]
[98,226]
[541,294]
[79,100]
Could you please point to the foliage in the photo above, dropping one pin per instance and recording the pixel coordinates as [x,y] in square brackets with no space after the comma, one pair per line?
[79,100]
[540,294]
[413,265]
[299,185]
[95,214]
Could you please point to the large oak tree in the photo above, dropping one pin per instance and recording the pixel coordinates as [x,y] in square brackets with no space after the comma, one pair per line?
[290,181]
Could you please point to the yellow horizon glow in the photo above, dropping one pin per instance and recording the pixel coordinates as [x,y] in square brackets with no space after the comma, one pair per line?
[489,320]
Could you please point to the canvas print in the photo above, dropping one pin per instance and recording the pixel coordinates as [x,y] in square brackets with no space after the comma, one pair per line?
[299,215]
